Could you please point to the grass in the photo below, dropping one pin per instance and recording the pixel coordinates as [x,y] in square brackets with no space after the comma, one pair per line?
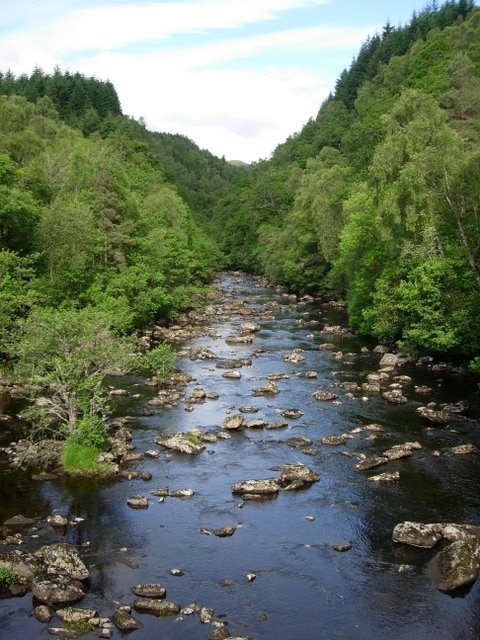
[82,460]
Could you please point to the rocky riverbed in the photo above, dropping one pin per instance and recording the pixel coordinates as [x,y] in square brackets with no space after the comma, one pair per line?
[284,484]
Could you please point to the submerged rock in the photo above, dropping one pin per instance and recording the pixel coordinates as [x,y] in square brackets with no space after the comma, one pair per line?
[149,590]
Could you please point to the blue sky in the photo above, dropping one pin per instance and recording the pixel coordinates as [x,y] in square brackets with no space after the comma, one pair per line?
[236,76]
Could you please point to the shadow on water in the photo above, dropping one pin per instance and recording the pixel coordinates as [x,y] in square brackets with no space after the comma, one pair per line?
[304,588]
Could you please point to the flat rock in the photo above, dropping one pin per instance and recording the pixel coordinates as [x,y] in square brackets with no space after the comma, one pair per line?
[437,416]
[370,462]
[138,502]
[232,375]
[418,534]
[240,339]
[58,590]
[292,413]
[149,590]
[156,607]
[386,478]
[18,521]
[334,440]
[322,394]
[180,442]
[74,615]
[462,449]
[257,487]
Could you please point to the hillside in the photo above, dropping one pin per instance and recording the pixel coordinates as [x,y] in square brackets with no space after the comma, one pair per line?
[375,200]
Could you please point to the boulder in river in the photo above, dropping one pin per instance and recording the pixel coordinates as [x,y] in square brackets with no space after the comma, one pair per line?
[370,462]
[149,590]
[232,423]
[437,416]
[62,558]
[156,607]
[297,476]
[181,442]
[58,590]
[268,389]
[418,534]
[394,396]
[125,621]
[456,565]
[259,487]
[322,394]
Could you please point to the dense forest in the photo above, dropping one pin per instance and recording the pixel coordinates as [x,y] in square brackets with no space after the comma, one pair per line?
[100,235]
[376,200]
[106,227]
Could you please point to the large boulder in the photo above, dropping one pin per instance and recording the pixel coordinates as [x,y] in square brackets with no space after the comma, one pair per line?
[457,565]
[62,558]
[58,590]
[297,476]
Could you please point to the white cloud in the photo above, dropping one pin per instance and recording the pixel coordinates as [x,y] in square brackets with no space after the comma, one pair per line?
[241,111]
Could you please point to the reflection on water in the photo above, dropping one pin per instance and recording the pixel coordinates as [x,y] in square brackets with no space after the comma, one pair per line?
[304,588]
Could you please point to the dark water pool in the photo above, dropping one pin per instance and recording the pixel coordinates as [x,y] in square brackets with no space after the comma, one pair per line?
[303,587]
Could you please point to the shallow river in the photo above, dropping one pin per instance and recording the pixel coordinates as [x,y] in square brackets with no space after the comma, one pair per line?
[304,588]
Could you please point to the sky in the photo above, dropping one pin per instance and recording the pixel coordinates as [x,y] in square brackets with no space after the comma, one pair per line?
[235,76]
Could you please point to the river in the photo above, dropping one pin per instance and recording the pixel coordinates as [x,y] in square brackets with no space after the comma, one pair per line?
[303,587]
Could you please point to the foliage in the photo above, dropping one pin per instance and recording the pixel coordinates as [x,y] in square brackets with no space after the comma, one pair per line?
[18,292]
[69,353]
[160,360]
[7,577]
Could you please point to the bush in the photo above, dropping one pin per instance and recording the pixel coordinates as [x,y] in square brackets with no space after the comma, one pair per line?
[7,577]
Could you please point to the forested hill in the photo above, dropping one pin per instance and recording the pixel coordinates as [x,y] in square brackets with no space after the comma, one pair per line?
[93,106]
[377,199]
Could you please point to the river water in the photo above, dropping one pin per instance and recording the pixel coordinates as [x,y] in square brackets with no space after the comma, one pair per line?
[303,588]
